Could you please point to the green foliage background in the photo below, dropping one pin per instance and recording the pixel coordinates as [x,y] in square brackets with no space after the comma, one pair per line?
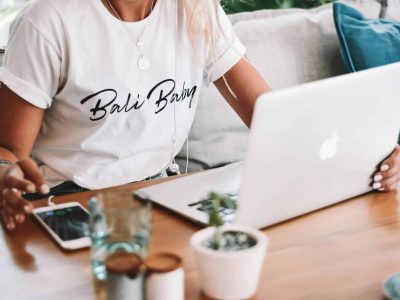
[235,6]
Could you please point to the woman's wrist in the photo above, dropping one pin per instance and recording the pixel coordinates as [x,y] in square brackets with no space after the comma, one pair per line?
[4,165]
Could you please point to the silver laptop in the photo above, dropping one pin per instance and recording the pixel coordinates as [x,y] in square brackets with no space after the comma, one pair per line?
[309,146]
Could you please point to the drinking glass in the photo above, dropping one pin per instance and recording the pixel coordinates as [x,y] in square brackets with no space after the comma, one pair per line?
[120,221]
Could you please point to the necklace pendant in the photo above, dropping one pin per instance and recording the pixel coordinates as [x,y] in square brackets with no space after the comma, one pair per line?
[143,63]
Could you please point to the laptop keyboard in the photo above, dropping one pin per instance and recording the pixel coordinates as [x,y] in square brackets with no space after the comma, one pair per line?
[226,213]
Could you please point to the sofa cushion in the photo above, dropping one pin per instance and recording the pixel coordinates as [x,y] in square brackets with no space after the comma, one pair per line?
[370,8]
[366,43]
[392,10]
[288,47]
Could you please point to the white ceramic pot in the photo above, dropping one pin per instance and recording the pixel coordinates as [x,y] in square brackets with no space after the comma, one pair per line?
[234,274]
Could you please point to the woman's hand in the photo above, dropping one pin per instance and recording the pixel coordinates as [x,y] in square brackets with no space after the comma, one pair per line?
[15,179]
[388,176]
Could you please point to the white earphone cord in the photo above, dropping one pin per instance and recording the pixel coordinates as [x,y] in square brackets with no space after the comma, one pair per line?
[187,131]
[173,165]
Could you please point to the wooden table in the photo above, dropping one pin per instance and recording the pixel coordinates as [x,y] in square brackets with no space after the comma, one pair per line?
[341,252]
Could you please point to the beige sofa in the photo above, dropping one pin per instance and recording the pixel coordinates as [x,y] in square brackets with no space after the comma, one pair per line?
[288,47]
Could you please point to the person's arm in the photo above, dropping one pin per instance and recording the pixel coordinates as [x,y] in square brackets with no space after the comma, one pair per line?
[246,84]
[20,123]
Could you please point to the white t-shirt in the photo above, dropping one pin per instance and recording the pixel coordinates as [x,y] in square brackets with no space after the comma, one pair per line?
[107,122]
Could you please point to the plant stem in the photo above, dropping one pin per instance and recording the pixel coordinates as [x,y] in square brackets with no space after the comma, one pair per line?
[217,236]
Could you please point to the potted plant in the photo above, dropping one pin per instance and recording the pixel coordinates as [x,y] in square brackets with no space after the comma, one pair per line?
[230,257]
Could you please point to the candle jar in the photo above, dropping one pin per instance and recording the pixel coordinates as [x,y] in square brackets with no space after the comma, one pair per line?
[165,277]
[125,276]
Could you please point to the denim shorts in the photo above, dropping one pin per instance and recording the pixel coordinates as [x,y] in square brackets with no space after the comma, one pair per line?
[70,187]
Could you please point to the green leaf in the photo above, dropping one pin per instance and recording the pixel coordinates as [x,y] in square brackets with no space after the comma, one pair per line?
[213,204]
[227,202]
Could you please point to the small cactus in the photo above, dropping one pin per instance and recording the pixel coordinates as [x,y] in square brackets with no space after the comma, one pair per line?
[218,202]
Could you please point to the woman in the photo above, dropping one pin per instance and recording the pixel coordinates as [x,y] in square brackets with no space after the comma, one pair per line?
[103,93]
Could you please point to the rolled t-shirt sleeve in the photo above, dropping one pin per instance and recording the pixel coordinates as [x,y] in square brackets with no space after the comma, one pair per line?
[226,49]
[31,67]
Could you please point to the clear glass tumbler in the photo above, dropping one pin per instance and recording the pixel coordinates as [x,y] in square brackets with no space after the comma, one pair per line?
[119,221]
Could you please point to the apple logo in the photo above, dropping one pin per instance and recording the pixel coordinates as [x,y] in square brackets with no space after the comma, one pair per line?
[329,147]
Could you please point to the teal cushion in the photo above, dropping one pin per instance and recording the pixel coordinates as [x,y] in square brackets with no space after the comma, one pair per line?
[365,43]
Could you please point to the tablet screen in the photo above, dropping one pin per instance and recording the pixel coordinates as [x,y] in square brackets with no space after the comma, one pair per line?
[68,223]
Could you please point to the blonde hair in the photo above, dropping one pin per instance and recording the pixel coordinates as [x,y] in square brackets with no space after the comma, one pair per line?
[200,16]
[202,19]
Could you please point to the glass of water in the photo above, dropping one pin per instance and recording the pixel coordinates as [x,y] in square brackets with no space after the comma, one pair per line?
[120,221]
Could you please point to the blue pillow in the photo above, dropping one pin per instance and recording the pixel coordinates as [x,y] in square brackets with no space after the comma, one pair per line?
[365,43]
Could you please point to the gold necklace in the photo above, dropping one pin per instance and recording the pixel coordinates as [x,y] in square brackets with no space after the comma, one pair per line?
[143,62]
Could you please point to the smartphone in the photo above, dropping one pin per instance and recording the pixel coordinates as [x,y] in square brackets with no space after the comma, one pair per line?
[67,223]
